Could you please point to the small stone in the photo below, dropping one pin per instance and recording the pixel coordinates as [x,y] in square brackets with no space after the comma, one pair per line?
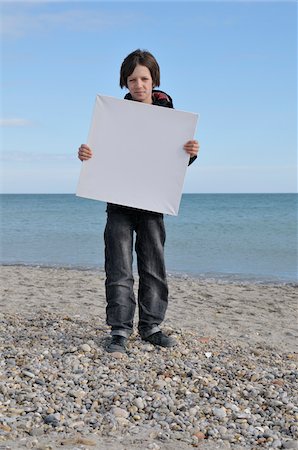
[219,412]
[231,406]
[120,412]
[199,435]
[16,411]
[39,381]
[276,403]
[193,411]
[242,415]
[78,394]
[148,347]
[255,377]
[28,374]
[85,348]
[72,349]
[290,445]
[139,403]
[118,355]
[50,410]
[36,431]
[278,382]
[51,419]
[204,340]
[123,421]
[5,427]
[153,446]
[133,409]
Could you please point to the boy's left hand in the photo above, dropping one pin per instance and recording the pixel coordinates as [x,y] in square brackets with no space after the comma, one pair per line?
[192,148]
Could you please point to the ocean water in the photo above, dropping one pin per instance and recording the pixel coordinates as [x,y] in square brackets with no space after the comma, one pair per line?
[233,237]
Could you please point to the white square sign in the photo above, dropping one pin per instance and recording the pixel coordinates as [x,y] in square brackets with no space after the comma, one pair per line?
[138,158]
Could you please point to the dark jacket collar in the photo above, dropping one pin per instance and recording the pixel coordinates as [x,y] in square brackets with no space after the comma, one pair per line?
[159,98]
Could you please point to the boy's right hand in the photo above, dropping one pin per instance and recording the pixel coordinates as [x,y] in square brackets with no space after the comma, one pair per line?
[84,152]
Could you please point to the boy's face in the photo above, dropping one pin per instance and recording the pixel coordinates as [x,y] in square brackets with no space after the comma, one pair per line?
[140,84]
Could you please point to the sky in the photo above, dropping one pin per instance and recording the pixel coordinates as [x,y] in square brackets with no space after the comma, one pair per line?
[233,63]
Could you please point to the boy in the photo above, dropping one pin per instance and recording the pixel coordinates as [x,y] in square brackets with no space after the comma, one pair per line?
[140,75]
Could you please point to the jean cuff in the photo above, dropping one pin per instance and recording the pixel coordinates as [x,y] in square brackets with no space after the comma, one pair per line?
[147,333]
[124,333]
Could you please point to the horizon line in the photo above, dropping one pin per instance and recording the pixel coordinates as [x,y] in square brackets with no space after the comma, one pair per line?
[184,193]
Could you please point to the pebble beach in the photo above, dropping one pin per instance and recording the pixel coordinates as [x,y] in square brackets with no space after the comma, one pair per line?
[230,383]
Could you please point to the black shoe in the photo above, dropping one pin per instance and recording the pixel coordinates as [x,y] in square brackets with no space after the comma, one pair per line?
[161,339]
[117,344]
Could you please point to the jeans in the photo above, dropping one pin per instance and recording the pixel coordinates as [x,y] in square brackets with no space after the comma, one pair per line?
[153,289]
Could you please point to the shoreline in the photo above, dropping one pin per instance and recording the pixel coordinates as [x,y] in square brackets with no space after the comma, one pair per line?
[221,278]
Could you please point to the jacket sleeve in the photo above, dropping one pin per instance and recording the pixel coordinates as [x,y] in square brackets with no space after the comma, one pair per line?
[192,159]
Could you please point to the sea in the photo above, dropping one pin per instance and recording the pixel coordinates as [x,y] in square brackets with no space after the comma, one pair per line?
[223,237]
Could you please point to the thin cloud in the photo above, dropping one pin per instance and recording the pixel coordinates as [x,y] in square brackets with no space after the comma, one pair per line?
[15,122]
[242,169]
[23,156]
[26,21]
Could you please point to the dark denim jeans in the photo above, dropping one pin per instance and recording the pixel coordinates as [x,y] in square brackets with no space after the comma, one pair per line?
[153,289]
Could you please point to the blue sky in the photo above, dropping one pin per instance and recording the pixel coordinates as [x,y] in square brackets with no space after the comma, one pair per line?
[232,62]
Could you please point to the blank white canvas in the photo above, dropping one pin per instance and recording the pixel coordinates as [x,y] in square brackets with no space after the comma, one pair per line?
[138,158]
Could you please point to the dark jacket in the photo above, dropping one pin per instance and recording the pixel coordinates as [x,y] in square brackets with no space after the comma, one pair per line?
[159,98]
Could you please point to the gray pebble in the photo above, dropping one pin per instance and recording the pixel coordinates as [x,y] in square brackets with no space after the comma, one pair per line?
[290,444]
[51,419]
[219,412]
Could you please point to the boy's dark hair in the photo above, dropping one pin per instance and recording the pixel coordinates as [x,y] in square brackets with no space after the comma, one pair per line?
[144,58]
